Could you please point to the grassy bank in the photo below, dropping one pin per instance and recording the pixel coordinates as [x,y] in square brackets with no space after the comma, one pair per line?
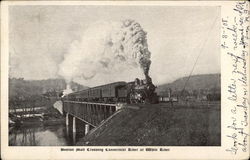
[160,125]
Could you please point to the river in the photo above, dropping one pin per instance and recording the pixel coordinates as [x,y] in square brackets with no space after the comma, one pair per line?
[55,135]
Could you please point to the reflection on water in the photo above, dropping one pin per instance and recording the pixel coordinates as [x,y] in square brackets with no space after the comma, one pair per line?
[43,136]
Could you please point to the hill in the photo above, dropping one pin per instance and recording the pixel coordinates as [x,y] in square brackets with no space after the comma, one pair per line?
[35,93]
[196,82]
[26,88]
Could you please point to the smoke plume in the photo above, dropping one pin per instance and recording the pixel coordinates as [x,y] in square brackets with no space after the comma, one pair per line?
[68,90]
[107,48]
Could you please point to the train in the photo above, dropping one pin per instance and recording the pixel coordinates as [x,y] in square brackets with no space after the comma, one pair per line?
[137,91]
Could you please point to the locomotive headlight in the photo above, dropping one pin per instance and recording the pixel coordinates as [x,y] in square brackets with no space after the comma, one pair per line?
[138,95]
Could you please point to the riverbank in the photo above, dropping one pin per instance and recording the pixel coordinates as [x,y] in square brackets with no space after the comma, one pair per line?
[35,121]
[46,116]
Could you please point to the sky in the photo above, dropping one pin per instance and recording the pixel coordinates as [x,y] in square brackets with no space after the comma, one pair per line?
[41,36]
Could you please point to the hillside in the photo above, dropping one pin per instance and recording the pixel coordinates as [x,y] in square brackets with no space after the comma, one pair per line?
[196,82]
[159,125]
[37,87]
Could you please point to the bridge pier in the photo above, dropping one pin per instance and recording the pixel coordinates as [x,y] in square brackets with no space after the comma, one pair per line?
[74,129]
[74,125]
[67,119]
[67,123]
[87,127]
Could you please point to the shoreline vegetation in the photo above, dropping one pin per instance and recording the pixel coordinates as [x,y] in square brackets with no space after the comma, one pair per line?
[32,122]
[44,116]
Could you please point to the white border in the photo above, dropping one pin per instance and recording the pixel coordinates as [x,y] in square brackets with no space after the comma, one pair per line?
[55,153]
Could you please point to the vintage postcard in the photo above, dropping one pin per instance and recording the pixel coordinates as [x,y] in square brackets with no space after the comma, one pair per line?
[125,80]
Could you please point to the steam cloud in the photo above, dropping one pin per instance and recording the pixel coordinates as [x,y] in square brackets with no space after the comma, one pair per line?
[68,90]
[107,48]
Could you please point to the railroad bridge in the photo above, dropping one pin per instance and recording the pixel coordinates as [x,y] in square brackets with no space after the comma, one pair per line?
[84,116]
[91,106]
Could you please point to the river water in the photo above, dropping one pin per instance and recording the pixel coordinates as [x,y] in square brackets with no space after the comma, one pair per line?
[56,135]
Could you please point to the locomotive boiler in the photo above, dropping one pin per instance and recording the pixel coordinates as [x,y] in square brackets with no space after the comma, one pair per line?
[138,91]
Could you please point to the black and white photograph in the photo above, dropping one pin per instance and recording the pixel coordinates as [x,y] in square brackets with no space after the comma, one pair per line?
[110,75]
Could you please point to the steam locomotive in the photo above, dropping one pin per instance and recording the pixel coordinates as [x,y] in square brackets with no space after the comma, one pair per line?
[138,91]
